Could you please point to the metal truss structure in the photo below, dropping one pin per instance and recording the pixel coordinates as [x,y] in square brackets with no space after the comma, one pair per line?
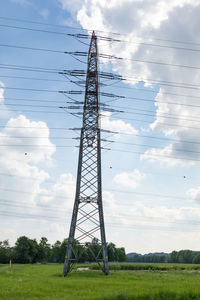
[87,223]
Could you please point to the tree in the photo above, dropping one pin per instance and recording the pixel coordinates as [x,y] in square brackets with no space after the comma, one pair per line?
[196,258]
[174,257]
[44,250]
[185,256]
[92,250]
[5,252]
[121,254]
[56,252]
[112,255]
[26,250]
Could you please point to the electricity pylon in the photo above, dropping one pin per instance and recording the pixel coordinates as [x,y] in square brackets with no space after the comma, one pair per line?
[87,223]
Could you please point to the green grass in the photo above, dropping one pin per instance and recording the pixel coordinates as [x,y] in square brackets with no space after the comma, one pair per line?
[45,282]
[148,266]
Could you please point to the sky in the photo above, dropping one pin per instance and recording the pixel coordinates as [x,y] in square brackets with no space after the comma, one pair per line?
[151,189]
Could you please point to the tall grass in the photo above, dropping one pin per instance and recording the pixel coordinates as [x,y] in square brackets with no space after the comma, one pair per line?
[147,266]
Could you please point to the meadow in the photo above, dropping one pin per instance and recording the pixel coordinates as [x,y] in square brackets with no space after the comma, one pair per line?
[127,281]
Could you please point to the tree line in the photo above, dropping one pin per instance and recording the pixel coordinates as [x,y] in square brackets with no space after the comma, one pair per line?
[182,256]
[28,250]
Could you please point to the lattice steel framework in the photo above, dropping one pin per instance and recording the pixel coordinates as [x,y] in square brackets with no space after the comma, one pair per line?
[87,224]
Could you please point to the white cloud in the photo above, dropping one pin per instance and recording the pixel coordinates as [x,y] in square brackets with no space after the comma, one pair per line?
[116,125]
[21,149]
[141,20]
[185,151]
[67,5]
[26,140]
[129,179]
[144,220]
[168,155]
[4,112]
[44,13]
[62,192]
[1,92]
[194,194]
[26,187]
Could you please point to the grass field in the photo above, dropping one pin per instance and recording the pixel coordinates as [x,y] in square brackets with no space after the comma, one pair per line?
[158,282]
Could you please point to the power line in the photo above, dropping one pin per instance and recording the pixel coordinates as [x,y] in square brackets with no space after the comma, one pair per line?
[133,98]
[69,146]
[72,146]
[148,194]
[36,111]
[125,97]
[155,101]
[164,124]
[131,111]
[160,115]
[156,63]
[34,100]
[32,67]
[135,113]
[159,45]
[31,90]
[132,119]
[43,23]
[112,190]
[54,182]
[110,149]
[37,137]
[155,156]
[56,71]
[89,30]
[101,38]
[124,58]
[59,71]
[31,48]
[173,116]
[54,91]
[26,178]
[71,138]
[28,216]
[31,193]
[34,78]
[163,82]
[152,91]
[157,147]
[145,218]
[6,202]
[114,225]
[132,227]
[114,132]
[32,127]
[37,145]
[37,30]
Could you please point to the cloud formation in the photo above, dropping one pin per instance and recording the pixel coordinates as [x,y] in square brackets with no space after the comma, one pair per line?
[116,125]
[155,31]
[130,180]
[24,146]
[1,92]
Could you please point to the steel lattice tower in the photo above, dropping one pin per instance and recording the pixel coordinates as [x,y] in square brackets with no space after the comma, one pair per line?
[87,223]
